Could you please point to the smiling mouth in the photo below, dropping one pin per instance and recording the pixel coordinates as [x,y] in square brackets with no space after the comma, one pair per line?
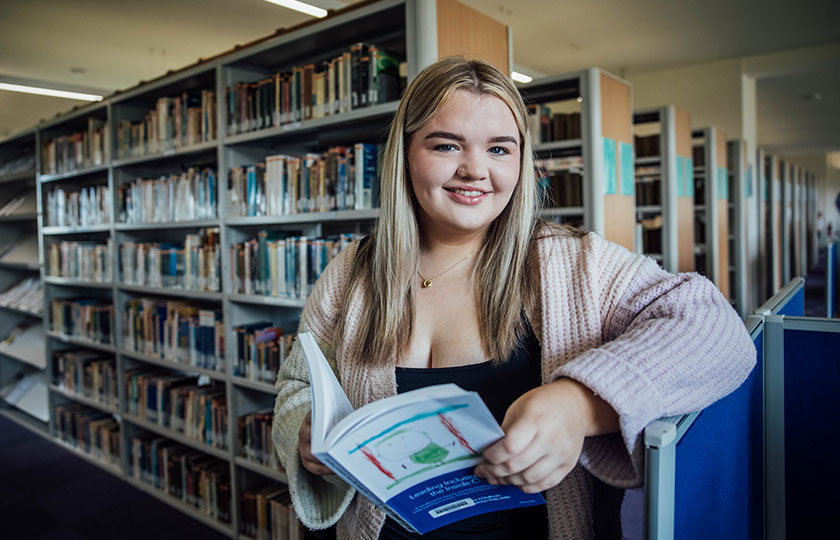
[466,192]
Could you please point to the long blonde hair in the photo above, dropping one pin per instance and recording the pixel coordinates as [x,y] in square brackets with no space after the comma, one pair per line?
[387,264]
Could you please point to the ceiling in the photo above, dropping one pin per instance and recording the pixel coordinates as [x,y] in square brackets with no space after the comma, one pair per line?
[109,45]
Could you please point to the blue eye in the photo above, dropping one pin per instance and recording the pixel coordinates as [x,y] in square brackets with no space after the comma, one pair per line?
[499,150]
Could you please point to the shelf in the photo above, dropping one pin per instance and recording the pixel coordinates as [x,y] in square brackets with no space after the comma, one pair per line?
[699,170]
[306,217]
[569,211]
[171,291]
[21,266]
[569,144]
[172,364]
[26,421]
[262,469]
[84,400]
[22,312]
[18,176]
[172,152]
[69,282]
[31,216]
[699,249]
[261,386]
[113,469]
[76,230]
[699,208]
[45,178]
[262,300]
[178,437]
[82,342]
[649,160]
[654,256]
[649,209]
[182,506]
[294,129]
[167,225]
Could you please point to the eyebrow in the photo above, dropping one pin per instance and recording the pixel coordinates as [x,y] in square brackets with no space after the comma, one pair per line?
[459,138]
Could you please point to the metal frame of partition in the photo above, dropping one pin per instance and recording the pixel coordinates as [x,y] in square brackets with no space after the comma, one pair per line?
[790,300]
[832,278]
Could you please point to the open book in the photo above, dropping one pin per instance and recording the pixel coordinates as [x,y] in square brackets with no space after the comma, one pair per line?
[412,454]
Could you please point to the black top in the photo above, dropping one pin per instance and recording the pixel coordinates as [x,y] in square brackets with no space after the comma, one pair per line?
[498,386]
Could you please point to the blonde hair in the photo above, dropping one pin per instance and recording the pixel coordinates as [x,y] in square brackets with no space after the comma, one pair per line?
[387,264]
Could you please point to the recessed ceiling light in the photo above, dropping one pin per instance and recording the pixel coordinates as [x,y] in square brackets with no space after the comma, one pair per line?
[49,92]
[520,77]
[301,7]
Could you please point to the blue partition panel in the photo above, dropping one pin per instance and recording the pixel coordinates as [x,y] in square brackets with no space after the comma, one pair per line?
[795,307]
[832,279]
[719,466]
[812,438]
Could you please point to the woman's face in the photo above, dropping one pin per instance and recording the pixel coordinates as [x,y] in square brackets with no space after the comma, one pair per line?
[464,165]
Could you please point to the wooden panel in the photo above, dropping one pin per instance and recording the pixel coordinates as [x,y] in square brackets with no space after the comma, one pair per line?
[463,31]
[721,147]
[683,129]
[685,234]
[619,219]
[723,246]
[616,120]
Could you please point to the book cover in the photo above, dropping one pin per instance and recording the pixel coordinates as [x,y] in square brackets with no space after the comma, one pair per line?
[412,454]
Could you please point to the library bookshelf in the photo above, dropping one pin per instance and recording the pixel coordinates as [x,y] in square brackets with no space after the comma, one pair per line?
[143,176]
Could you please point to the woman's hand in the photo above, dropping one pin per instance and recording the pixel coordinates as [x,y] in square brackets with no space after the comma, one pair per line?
[310,462]
[544,432]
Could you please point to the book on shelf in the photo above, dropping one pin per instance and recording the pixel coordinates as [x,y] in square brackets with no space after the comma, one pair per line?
[254,436]
[185,332]
[276,264]
[192,265]
[88,374]
[188,196]
[82,261]
[362,76]
[412,454]
[173,123]
[267,514]
[28,392]
[86,319]
[79,208]
[26,295]
[21,249]
[27,342]
[646,145]
[260,349]
[179,402]
[563,188]
[546,126]
[187,475]
[22,203]
[93,432]
[77,151]
[18,165]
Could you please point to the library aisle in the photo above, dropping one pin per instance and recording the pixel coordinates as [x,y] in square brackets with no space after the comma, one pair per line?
[48,493]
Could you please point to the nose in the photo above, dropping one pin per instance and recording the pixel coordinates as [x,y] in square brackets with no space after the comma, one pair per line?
[472,166]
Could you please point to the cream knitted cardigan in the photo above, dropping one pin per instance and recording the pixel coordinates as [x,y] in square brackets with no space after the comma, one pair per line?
[650,343]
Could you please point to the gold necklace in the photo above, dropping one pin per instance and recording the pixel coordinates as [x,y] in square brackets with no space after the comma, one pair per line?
[427,282]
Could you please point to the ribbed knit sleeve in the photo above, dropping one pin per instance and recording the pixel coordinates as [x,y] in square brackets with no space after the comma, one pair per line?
[318,500]
[671,344]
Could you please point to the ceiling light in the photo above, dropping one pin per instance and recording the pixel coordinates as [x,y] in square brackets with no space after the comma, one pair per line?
[49,92]
[520,77]
[301,7]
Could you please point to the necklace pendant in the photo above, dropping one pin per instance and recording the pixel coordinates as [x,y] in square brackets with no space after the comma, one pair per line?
[427,283]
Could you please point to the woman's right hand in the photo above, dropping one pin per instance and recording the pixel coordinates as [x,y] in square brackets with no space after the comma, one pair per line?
[310,462]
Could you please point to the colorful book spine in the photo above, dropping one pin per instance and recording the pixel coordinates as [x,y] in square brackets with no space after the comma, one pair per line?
[191,265]
[77,151]
[254,435]
[90,320]
[90,431]
[80,208]
[83,261]
[189,196]
[267,514]
[87,374]
[260,350]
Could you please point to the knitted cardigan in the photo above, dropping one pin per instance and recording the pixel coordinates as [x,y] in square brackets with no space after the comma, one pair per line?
[650,343]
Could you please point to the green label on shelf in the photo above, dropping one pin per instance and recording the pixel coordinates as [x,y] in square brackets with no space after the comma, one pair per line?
[749,181]
[722,182]
[628,169]
[610,168]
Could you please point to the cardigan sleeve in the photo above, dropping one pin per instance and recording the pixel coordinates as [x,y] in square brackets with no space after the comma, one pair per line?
[671,344]
[319,501]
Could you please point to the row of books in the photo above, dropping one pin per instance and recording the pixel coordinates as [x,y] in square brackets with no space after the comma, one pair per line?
[183,473]
[363,76]
[184,332]
[651,234]
[287,267]
[84,207]
[260,349]
[546,126]
[26,295]
[87,373]
[90,431]
[342,178]
[267,514]
[77,151]
[17,165]
[83,261]
[254,433]
[646,146]
[179,402]
[88,319]
[564,189]
[191,265]
[188,196]
[174,122]
[648,191]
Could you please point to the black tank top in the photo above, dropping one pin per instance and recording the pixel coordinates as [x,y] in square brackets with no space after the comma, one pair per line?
[499,386]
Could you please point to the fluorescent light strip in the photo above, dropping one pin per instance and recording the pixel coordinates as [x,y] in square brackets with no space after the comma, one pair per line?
[49,92]
[301,7]
[520,77]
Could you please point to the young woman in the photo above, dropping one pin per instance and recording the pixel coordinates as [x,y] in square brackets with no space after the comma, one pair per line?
[574,343]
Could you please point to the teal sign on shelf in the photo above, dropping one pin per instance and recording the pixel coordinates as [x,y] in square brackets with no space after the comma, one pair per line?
[749,181]
[628,168]
[722,182]
[610,168]
[680,176]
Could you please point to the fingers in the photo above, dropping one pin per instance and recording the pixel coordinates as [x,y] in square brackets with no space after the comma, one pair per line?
[309,461]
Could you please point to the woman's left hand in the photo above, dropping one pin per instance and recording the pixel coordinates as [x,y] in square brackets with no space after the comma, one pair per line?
[544,432]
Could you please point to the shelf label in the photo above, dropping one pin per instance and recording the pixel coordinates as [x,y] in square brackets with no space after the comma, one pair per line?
[628,178]
[749,181]
[610,167]
[722,182]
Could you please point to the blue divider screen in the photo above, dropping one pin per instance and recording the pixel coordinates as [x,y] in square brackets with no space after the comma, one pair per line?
[832,284]
[812,438]
[719,469]
[795,307]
